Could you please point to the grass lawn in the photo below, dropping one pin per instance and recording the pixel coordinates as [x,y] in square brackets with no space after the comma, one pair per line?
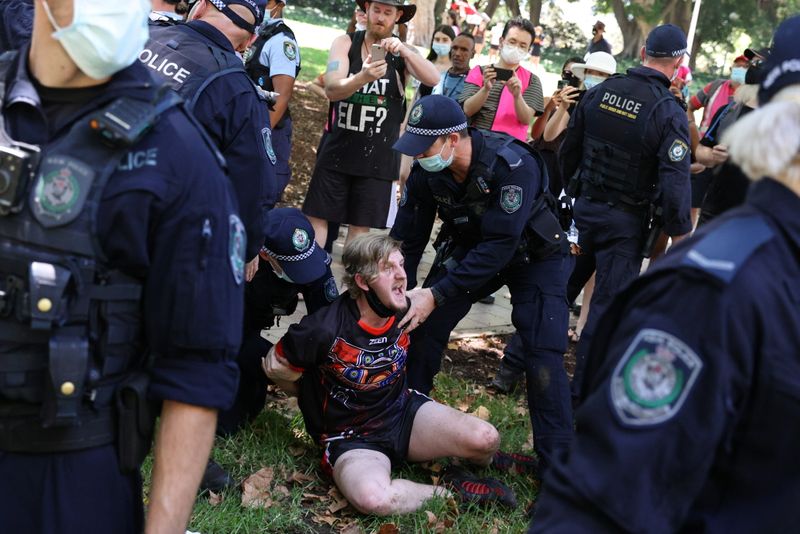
[300,498]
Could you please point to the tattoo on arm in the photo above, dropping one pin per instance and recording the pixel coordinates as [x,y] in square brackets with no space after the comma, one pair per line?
[332,66]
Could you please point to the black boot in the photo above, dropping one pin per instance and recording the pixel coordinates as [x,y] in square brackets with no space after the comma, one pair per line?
[216,478]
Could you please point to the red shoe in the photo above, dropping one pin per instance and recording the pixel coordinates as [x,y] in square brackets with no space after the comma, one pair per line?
[512,462]
[472,489]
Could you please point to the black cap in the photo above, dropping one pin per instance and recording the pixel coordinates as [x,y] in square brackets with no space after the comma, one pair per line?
[256,7]
[431,117]
[666,40]
[290,240]
[783,66]
[751,53]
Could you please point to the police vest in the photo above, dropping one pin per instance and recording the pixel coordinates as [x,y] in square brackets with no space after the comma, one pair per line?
[185,62]
[364,126]
[614,166]
[462,214]
[258,72]
[70,325]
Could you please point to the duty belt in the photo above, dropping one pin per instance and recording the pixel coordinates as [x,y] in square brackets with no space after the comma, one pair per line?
[619,201]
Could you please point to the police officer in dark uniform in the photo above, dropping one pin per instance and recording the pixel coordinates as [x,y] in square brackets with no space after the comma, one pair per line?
[627,151]
[688,423]
[16,21]
[168,12]
[199,60]
[121,281]
[273,63]
[291,264]
[499,227]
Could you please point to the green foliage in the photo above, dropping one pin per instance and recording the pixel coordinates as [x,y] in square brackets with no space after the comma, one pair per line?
[324,16]
[314,62]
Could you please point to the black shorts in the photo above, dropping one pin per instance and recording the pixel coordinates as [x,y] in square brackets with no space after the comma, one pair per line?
[393,442]
[344,198]
[700,183]
[494,47]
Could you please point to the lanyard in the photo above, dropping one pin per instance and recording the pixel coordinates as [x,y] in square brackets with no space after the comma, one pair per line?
[455,87]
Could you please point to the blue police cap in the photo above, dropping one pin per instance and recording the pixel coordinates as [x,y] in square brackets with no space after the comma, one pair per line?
[290,240]
[666,40]
[430,118]
[782,68]
[256,7]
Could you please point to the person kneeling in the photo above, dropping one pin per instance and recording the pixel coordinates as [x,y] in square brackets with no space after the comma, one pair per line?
[347,364]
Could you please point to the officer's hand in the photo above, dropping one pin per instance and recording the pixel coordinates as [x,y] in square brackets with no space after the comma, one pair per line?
[251,269]
[514,86]
[489,74]
[393,45]
[373,71]
[422,304]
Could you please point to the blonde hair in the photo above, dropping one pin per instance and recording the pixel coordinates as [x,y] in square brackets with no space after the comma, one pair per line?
[746,94]
[766,142]
[363,256]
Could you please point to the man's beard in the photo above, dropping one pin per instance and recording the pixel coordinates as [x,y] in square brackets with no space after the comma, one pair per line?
[378,33]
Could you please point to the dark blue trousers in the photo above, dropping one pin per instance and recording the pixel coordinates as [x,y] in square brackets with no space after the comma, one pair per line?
[282,144]
[540,315]
[71,492]
[615,239]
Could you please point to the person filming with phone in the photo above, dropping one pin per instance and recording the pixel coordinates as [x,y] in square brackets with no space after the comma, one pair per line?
[505,97]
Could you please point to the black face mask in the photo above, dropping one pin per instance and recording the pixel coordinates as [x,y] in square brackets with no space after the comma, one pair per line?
[380,309]
[594,31]
[566,75]
[754,74]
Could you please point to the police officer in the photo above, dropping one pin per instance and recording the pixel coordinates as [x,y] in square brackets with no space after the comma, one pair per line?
[498,228]
[273,64]
[199,60]
[121,268]
[16,22]
[688,423]
[291,264]
[168,12]
[627,151]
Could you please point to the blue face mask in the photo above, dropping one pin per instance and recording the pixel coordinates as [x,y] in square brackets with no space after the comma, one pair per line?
[441,49]
[591,80]
[436,162]
[738,74]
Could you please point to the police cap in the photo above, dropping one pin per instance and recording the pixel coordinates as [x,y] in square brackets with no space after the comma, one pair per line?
[782,68]
[256,7]
[431,117]
[666,40]
[290,240]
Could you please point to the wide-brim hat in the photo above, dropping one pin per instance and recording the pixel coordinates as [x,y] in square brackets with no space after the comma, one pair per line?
[290,240]
[408,9]
[600,61]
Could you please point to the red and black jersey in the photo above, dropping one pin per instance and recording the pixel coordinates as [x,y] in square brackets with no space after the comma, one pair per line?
[354,376]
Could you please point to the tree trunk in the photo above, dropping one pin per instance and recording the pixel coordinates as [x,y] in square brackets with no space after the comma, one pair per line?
[513,6]
[634,31]
[535,11]
[424,22]
[491,7]
[439,9]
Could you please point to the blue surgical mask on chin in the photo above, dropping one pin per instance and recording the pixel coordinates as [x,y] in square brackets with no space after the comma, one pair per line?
[738,74]
[437,163]
[591,80]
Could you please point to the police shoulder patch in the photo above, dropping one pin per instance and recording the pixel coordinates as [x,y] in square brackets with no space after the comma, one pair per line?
[61,190]
[404,196]
[416,115]
[510,198]
[237,242]
[331,291]
[652,380]
[289,50]
[678,150]
[266,135]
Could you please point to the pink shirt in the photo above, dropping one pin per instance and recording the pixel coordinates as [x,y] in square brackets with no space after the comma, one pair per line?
[505,117]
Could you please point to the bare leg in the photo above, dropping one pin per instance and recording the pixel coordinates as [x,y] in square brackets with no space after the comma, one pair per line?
[588,289]
[320,229]
[353,232]
[364,478]
[441,431]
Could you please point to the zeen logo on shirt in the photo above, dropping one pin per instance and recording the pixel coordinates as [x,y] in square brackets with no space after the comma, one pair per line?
[366,109]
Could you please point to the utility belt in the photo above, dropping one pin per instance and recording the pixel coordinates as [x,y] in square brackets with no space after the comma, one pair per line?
[128,422]
[616,199]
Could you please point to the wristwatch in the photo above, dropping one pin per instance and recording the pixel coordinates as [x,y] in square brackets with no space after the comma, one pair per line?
[438,298]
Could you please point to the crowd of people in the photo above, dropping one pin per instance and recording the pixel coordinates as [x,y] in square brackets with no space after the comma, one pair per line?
[144,150]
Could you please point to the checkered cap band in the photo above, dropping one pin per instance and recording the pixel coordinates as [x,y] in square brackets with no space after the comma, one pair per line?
[437,132]
[298,257]
[219,4]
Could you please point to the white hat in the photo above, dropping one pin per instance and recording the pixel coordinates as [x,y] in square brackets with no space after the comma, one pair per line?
[600,61]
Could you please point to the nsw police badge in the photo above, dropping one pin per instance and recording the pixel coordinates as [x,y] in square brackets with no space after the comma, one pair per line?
[289,50]
[61,190]
[300,240]
[653,378]
[237,241]
[331,291]
[678,150]
[266,135]
[416,115]
[510,198]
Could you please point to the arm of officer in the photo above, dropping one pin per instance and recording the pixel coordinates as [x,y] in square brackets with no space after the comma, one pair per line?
[280,371]
[571,151]
[283,85]
[419,67]
[658,409]
[281,54]
[338,85]
[184,439]
[673,173]
[414,222]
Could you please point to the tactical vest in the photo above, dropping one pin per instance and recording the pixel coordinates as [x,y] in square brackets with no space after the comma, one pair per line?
[462,214]
[70,325]
[185,62]
[258,72]
[614,166]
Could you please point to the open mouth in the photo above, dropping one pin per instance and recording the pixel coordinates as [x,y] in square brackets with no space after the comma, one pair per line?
[398,291]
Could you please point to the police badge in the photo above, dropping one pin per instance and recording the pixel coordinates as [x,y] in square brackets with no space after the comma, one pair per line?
[237,241]
[510,198]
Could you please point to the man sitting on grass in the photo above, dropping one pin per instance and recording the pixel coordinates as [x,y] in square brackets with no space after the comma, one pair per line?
[347,364]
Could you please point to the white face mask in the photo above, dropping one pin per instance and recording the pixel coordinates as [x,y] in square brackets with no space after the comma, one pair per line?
[512,55]
[105,35]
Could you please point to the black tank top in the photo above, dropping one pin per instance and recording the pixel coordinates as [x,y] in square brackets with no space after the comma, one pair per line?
[364,126]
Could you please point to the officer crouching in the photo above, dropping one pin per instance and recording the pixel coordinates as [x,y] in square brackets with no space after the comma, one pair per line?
[121,281]
[627,151]
[499,227]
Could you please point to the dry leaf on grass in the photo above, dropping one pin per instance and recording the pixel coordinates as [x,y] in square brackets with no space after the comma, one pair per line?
[388,528]
[431,518]
[339,501]
[214,499]
[327,519]
[351,528]
[296,450]
[255,489]
[300,477]
[282,490]
[482,412]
